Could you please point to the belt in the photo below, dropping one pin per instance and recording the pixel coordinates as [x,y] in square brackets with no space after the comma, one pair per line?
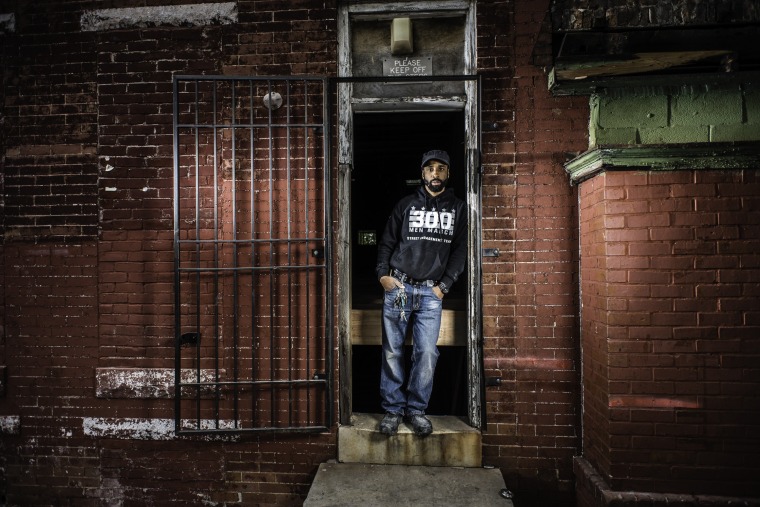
[404,278]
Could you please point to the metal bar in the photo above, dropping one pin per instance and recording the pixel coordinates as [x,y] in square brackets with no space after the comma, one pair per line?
[306,232]
[328,300]
[402,79]
[245,125]
[177,300]
[483,413]
[235,280]
[256,382]
[255,268]
[197,176]
[217,335]
[288,111]
[336,79]
[254,336]
[271,258]
[273,240]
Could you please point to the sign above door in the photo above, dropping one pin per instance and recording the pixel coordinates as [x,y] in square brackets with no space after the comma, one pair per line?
[414,66]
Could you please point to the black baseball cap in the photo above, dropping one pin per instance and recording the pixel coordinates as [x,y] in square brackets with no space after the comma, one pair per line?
[438,155]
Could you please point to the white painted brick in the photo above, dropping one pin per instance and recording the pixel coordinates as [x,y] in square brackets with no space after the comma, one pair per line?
[142,428]
[219,13]
[10,425]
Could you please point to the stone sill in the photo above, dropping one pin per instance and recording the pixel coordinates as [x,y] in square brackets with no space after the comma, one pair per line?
[664,157]
[672,82]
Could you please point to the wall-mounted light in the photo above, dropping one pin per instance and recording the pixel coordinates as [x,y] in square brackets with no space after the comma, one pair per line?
[401,36]
[272,100]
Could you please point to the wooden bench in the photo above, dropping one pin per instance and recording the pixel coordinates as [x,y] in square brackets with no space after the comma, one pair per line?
[366,330]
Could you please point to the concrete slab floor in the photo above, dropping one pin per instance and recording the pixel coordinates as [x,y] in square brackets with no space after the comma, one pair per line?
[351,484]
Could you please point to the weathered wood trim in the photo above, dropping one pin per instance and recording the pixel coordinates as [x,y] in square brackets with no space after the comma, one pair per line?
[669,82]
[474,243]
[410,104]
[386,10]
[344,290]
[669,157]
[343,216]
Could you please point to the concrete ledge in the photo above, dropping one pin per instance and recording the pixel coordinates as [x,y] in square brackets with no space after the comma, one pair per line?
[664,157]
[350,484]
[587,478]
[452,443]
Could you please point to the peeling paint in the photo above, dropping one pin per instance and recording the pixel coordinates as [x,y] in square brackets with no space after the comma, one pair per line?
[144,429]
[222,13]
[148,383]
[7,23]
[10,425]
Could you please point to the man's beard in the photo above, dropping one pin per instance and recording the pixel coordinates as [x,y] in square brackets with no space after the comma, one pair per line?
[436,185]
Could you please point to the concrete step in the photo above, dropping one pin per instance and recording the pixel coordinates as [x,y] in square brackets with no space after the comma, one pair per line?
[351,484]
[453,443]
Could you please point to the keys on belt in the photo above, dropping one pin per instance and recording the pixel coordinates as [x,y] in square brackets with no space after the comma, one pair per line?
[404,278]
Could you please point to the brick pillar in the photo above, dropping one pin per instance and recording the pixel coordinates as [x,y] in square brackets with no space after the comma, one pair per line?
[670,282]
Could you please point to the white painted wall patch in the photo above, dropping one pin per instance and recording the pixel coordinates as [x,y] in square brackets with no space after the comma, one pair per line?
[217,13]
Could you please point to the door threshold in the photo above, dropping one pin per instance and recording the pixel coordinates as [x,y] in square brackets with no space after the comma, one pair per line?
[452,443]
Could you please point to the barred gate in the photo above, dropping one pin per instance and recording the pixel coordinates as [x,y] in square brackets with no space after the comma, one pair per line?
[253,344]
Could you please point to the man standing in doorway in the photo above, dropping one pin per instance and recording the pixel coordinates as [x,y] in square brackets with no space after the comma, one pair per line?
[421,254]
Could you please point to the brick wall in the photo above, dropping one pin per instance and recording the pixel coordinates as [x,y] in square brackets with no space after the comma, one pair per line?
[51,342]
[669,276]
[50,114]
[530,308]
[87,258]
[670,330]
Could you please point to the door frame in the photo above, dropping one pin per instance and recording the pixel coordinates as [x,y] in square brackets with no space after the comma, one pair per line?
[344,112]
[474,352]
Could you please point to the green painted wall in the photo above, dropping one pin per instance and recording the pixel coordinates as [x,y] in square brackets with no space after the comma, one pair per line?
[675,115]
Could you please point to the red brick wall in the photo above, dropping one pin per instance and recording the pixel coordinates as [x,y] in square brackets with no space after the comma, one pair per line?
[530,290]
[671,330]
[87,255]
[51,344]
[88,276]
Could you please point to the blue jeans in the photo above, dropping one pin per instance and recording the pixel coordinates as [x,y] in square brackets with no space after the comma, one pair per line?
[423,310]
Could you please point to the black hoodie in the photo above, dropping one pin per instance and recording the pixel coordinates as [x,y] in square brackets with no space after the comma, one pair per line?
[425,237]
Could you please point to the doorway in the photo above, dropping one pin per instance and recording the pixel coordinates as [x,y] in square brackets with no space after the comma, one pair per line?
[387,150]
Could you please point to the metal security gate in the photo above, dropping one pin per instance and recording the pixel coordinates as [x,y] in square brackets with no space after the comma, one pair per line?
[253,344]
